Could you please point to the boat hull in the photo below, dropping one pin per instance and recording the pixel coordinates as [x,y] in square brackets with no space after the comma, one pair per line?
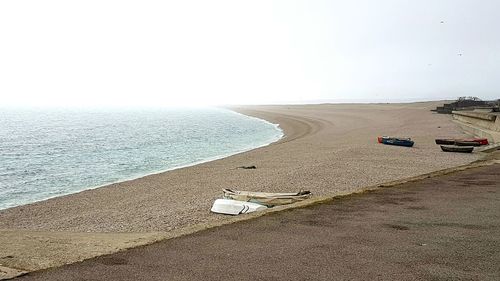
[398,142]
[481,141]
[445,141]
[467,143]
[234,207]
[382,138]
[459,149]
[463,142]
[266,199]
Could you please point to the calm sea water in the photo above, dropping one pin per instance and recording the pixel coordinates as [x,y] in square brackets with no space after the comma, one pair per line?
[48,153]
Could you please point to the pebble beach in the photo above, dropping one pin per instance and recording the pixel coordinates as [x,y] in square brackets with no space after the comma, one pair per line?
[327,149]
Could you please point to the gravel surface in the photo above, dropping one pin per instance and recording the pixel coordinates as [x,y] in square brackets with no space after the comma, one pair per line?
[442,228]
[327,149]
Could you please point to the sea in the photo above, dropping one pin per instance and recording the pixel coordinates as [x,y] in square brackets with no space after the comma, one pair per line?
[46,153]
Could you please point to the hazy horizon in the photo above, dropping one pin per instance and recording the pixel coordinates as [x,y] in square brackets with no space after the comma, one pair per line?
[197,53]
[203,106]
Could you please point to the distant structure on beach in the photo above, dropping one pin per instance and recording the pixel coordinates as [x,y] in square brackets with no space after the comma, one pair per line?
[476,117]
[467,103]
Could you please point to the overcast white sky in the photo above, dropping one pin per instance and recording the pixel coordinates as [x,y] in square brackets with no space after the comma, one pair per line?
[236,52]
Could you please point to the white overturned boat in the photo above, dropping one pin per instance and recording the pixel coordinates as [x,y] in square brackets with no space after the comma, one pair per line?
[235,207]
[266,199]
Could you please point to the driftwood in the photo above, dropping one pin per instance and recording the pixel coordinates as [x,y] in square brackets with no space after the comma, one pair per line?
[247,167]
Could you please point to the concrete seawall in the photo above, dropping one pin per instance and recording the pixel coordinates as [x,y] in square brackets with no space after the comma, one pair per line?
[481,124]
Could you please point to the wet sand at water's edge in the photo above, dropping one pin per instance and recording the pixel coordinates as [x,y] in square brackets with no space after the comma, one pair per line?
[328,149]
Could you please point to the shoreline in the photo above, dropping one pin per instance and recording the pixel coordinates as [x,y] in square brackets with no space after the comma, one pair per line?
[328,149]
[294,128]
[215,158]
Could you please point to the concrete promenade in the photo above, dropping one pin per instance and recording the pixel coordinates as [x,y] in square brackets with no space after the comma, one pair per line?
[442,228]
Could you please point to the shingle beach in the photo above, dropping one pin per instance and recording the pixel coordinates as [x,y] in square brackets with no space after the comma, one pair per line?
[327,149]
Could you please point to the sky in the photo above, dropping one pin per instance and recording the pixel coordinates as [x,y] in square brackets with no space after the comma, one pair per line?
[167,53]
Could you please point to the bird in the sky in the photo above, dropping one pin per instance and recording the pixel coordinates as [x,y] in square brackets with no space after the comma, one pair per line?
[442,21]
[460,54]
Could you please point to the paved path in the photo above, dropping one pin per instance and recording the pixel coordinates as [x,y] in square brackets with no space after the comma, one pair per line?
[445,228]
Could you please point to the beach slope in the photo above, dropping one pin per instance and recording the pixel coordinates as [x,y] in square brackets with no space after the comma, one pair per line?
[328,149]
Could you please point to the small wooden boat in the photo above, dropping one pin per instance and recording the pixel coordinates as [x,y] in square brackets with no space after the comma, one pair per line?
[467,143]
[481,141]
[445,141]
[398,141]
[266,199]
[453,148]
[382,138]
[471,141]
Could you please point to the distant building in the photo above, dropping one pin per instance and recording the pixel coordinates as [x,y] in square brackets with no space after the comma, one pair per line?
[465,103]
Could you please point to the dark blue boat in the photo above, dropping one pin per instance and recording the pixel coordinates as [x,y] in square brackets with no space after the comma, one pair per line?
[398,141]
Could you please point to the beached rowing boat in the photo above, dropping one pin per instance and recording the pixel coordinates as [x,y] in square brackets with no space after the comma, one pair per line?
[467,143]
[265,198]
[234,207]
[398,141]
[473,141]
[382,138]
[481,141]
[462,149]
[445,141]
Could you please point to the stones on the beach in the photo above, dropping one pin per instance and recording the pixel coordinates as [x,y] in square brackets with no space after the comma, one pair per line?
[328,149]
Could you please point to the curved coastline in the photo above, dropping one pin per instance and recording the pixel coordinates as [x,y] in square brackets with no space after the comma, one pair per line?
[317,139]
[219,157]
[328,149]
[142,175]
